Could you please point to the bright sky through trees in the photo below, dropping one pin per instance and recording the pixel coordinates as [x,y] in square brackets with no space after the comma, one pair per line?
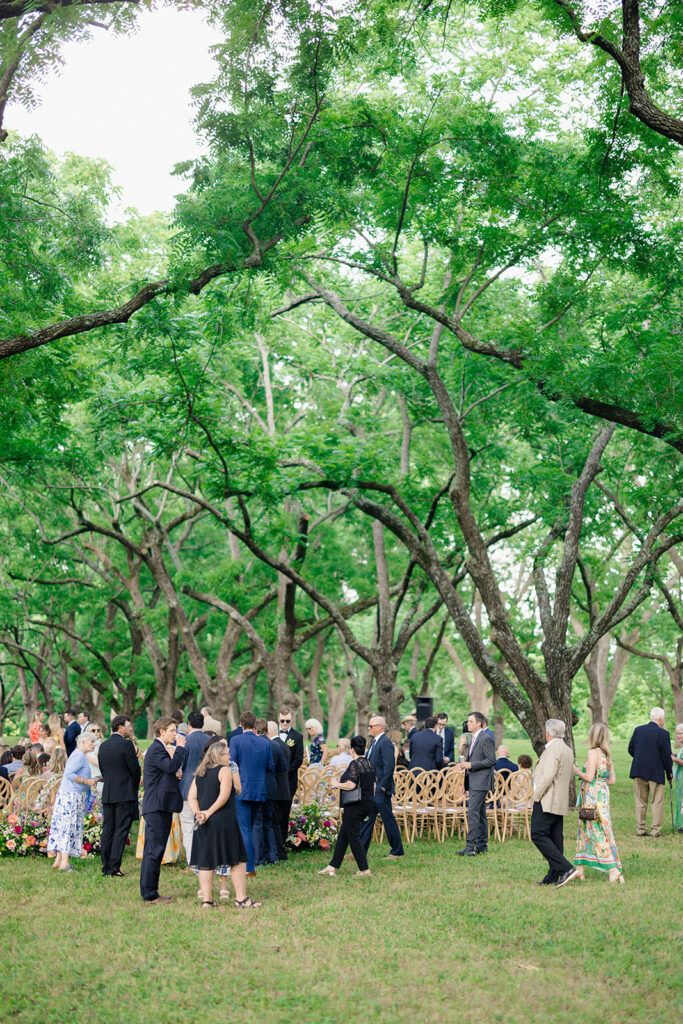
[126,99]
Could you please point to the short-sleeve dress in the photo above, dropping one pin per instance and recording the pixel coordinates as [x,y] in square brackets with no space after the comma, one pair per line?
[218,843]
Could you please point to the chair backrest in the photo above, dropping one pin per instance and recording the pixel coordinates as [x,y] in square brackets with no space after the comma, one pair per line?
[520,789]
[5,792]
[454,794]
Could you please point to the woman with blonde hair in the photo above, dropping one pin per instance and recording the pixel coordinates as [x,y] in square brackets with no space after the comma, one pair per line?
[57,763]
[595,845]
[56,730]
[317,752]
[217,840]
[34,727]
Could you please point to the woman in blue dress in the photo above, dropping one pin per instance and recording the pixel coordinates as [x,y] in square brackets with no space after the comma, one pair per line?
[66,828]
[317,752]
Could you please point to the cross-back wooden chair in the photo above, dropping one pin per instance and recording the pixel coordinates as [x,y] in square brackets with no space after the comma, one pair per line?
[424,807]
[518,803]
[453,812]
[495,801]
[26,794]
[5,793]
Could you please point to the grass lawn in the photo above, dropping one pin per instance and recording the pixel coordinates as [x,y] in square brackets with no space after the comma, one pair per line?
[436,938]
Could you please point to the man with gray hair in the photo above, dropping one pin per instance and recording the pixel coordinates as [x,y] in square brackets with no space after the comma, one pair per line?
[552,777]
[650,748]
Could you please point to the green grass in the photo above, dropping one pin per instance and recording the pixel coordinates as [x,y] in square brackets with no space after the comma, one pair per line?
[435,938]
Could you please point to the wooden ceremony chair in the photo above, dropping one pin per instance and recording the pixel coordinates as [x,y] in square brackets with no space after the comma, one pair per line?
[5,793]
[453,812]
[495,801]
[518,803]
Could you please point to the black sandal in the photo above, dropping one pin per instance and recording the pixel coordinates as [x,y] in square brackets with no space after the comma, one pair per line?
[247,904]
[209,903]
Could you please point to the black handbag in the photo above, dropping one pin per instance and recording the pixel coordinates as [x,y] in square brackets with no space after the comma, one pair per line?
[349,796]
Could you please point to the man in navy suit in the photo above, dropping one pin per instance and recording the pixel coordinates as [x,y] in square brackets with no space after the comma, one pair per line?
[281,758]
[446,735]
[650,748]
[161,800]
[72,730]
[381,757]
[254,758]
[120,770]
[504,765]
[478,781]
[426,748]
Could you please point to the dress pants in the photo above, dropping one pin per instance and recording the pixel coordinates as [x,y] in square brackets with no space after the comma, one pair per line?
[547,837]
[382,805]
[642,790]
[250,821]
[157,830]
[270,825]
[282,826]
[477,824]
[187,828]
[116,821]
[349,835]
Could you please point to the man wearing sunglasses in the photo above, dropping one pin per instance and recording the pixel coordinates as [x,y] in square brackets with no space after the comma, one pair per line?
[295,742]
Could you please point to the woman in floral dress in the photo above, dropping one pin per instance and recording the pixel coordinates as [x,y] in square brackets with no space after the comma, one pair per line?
[66,828]
[317,752]
[595,845]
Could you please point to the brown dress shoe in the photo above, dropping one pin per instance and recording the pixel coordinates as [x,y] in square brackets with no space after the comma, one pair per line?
[251,874]
[161,899]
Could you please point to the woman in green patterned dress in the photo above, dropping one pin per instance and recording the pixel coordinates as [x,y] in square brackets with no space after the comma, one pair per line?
[678,778]
[595,845]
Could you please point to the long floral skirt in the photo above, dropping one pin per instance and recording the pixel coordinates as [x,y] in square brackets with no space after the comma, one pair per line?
[595,844]
[174,846]
[66,827]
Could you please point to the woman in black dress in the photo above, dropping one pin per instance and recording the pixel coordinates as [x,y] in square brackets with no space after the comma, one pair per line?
[217,840]
[360,775]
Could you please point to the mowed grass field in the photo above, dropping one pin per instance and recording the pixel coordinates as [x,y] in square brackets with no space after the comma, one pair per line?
[435,938]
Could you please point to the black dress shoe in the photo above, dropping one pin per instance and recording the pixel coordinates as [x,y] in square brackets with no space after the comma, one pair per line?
[117,874]
[481,851]
[466,853]
[568,876]
[543,882]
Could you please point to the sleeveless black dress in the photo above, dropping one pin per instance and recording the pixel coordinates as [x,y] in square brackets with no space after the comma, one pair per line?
[218,843]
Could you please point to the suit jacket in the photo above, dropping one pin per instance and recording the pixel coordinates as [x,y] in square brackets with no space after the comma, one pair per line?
[120,770]
[482,758]
[72,730]
[162,789]
[194,748]
[281,758]
[426,751]
[505,766]
[552,777]
[650,748]
[253,755]
[235,732]
[295,741]
[383,760]
[448,743]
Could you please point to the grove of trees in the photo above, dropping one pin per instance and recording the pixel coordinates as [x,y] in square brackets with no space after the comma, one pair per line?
[389,405]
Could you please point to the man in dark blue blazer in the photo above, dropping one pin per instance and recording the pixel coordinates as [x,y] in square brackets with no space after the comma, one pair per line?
[503,764]
[120,770]
[447,737]
[382,758]
[72,730]
[254,759]
[426,748]
[195,744]
[650,748]
[161,800]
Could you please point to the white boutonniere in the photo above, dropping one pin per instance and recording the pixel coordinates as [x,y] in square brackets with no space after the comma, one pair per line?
[290,743]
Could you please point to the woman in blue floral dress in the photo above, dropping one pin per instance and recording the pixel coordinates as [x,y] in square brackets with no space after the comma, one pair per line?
[317,752]
[66,827]
[595,845]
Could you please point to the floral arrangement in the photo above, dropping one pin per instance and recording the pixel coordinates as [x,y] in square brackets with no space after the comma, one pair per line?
[311,828]
[92,834]
[23,835]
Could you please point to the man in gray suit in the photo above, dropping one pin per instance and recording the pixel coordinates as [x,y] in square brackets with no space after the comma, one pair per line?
[478,781]
[552,777]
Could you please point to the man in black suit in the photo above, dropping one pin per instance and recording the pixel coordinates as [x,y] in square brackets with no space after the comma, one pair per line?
[478,781]
[381,757]
[447,737]
[281,759]
[120,770]
[162,798]
[295,741]
[72,730]
[650,748]
[426,748]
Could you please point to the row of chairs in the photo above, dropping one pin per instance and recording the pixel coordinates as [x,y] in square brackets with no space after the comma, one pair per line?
[32,794]
[433,803]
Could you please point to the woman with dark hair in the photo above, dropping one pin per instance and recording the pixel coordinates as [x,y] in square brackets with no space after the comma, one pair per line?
[359,782]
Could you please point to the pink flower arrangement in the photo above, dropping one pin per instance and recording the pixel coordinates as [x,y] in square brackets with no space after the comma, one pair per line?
[30,840]
[18,830]
[11,844]
[324,844]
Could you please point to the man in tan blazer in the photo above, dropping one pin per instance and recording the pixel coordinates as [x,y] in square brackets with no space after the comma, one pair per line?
[552,777]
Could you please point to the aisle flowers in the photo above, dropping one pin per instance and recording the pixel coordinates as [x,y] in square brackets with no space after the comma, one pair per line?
[92,834]
[311,828]
[23,835]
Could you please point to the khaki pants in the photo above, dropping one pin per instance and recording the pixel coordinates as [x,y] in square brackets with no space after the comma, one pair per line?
[187,826]
[642,790]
